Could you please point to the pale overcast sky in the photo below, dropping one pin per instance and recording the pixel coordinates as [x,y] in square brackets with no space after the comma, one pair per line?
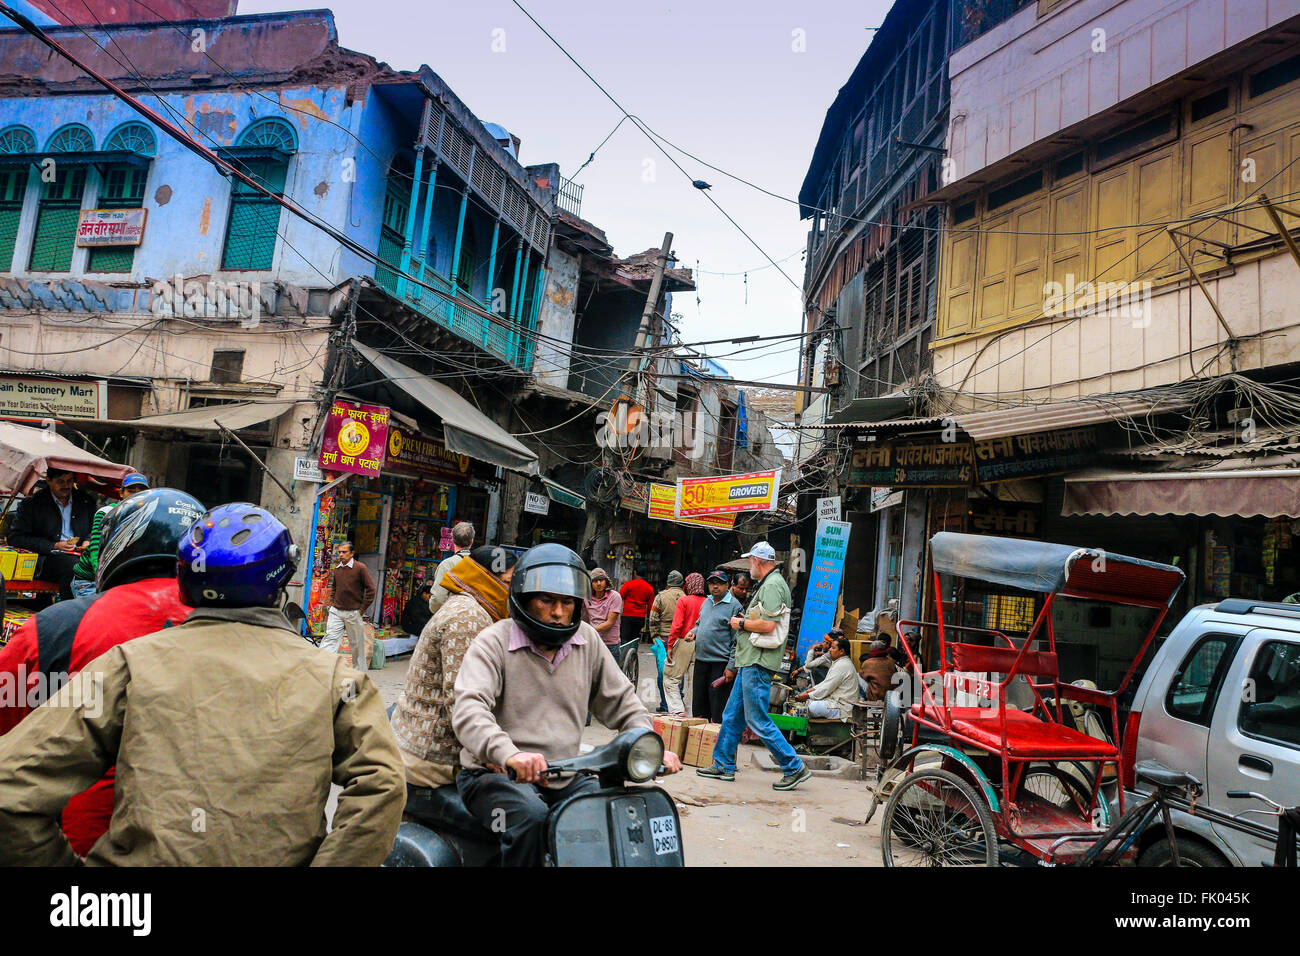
[742,85]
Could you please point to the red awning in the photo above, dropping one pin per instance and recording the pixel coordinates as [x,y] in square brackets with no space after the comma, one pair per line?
[1273,492]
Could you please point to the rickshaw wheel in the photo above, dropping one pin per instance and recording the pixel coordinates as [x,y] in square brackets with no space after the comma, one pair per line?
[935,818]
[1053,785]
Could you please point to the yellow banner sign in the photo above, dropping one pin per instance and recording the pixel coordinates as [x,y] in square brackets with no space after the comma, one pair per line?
[728,494]
[663,507]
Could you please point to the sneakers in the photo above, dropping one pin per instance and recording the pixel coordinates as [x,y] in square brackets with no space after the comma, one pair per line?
[717,773]
[792,780]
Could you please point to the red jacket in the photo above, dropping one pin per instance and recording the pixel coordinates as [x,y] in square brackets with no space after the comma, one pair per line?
[63,639]
[637,596]
[685,617]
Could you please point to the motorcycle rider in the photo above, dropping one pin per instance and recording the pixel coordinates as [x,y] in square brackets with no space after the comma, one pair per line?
[137,595]
[522,697]
[226,730]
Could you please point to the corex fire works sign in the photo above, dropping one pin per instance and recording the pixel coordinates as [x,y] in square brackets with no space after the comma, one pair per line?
[728,494]
[355,438]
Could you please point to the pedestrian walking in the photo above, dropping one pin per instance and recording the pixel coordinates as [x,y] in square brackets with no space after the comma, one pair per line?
[602,609]
[681,642]
[760,647]
[351,589]
[637,594]
[715,650]
[661,612]
[462,539]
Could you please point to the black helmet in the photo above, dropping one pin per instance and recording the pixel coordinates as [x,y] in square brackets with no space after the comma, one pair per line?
[147,527]
[549,569]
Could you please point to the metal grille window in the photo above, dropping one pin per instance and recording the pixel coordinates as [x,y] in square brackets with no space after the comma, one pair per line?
[56,220]
[13,187]
[123,188]
[254,218]
[392,234]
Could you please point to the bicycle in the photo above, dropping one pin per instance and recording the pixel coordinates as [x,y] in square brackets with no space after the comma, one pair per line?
[1288,823]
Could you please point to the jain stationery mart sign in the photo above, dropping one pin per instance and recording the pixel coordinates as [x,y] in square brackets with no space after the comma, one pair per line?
[41,398]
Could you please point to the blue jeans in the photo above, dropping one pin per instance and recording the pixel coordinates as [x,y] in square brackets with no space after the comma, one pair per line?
[82,588]
[751,695]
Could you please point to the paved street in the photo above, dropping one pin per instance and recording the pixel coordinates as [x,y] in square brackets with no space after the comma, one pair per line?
[745,823]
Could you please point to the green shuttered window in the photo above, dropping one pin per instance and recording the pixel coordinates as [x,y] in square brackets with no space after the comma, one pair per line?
[254,219]
[13,187]
[56,221]
[123,188]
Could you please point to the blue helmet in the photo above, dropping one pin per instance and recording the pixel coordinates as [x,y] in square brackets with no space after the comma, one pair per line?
[236,555]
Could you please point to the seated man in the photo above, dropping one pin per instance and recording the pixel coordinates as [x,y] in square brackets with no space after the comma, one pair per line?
[54,522]
[416,614]
[522,697]
[421,717]
[818,659]
[834,697]
[877,671]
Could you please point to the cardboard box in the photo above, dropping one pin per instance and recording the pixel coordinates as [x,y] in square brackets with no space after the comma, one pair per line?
[8,561]
[699,745]
[673,730]
[859,647]
[25,568]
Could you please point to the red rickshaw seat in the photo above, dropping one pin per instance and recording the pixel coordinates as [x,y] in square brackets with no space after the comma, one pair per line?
[1027,736]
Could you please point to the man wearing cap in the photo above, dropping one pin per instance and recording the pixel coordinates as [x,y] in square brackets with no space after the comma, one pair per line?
[83,574]
[53,522]
[760,647]
[715,649]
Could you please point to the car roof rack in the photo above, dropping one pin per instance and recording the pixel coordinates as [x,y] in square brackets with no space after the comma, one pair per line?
[1243,606]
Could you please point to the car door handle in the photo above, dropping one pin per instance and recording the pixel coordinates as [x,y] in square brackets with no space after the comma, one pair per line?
[1255,763]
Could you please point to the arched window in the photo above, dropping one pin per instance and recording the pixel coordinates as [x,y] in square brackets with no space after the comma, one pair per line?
[60,206]
[13,189]
[132,138]
[397,211]
[263,154]
[122,187]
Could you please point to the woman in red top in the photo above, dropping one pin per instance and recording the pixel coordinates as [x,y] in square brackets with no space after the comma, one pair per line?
[685,617]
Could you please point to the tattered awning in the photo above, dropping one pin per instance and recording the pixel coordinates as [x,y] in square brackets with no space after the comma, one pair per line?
[27,453]
[1271,491]
[209,418]
[466,430]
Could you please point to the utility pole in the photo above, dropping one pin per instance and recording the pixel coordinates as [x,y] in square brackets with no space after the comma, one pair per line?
[645,334]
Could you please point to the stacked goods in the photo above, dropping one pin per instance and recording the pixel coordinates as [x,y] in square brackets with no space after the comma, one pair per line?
[14,618]
[17,564]
[673,730]
[699,745]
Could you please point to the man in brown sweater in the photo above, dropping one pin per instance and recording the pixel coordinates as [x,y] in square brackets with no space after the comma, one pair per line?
[522,697]
[351,591]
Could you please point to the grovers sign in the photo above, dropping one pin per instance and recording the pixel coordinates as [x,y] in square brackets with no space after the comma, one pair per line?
[728,494]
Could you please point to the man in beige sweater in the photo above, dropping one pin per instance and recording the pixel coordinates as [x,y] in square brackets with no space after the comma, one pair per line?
[522,697]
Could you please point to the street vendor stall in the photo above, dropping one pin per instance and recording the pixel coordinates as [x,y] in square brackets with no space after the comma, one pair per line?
[26,454]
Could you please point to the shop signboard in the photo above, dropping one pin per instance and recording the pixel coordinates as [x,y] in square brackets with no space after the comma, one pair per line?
[1017,519]
[728,494]
[1032,456]
[829,508]
[419,455]
[663,504]
[37,397]
[356,437]
[824,575]
[304,469]
[882,498]
[634,495]
[912,463]
[537,504]
[111,227]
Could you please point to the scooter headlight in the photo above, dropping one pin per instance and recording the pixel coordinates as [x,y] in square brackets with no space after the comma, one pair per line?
[645,757]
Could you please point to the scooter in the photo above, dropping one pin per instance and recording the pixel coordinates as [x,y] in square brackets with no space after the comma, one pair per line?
[613,826]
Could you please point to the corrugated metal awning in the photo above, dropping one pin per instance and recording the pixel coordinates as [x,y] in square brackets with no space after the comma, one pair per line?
[206,418]
[1027,419]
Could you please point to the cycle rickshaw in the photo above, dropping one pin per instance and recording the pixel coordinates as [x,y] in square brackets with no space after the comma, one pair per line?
[970,780]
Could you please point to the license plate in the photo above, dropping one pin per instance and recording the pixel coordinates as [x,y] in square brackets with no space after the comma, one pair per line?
[663,831]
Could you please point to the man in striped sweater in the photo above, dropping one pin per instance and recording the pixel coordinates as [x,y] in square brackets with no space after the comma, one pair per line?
[83,574]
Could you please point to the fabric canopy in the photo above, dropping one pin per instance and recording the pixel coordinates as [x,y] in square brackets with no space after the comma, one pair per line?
[1055,568]
[1244,492]
[26,453]
[466,430]
[205,419]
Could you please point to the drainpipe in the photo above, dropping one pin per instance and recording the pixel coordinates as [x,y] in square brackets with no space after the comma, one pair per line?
[409,238]
[424,223]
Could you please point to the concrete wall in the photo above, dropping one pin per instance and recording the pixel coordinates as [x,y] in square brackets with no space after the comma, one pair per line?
[1029,78]
[556,318]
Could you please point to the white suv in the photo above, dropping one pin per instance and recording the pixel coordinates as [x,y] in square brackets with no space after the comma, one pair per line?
[1221,701]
